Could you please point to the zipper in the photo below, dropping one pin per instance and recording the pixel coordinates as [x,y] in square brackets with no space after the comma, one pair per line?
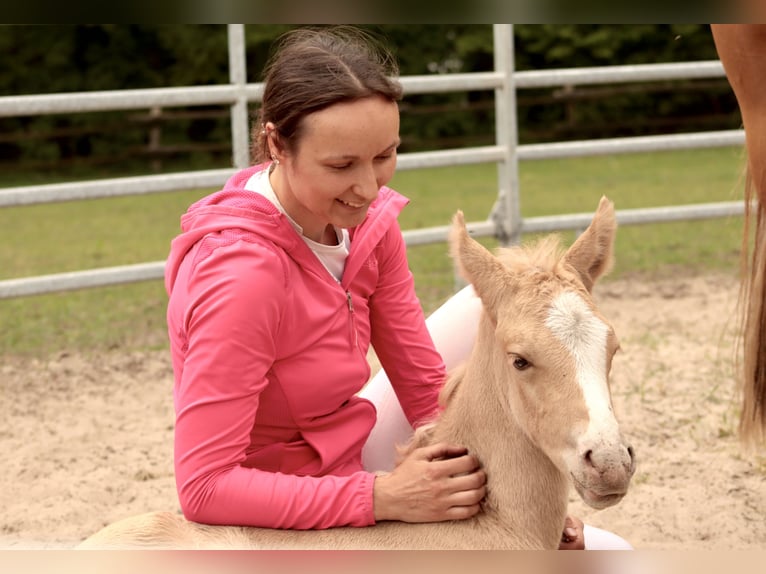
[353,334]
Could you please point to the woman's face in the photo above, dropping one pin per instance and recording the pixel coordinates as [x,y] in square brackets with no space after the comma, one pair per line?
[347,152]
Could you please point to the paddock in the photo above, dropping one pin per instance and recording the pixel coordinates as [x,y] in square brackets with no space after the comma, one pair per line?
[109,456]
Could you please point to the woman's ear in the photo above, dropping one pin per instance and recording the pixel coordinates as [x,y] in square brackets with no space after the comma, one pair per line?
[272,141]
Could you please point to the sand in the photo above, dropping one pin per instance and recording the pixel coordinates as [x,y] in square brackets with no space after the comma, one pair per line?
[88,439]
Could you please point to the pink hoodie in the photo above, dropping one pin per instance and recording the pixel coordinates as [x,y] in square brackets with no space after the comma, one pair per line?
[268,352]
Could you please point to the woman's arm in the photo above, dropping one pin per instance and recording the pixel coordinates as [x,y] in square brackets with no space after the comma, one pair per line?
[437,482]
[399,334]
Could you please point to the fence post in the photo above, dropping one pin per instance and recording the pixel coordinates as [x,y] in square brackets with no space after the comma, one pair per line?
[506,213]
[155,137]
[240,123]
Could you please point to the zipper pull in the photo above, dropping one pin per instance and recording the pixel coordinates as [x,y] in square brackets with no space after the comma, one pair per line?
[353,335]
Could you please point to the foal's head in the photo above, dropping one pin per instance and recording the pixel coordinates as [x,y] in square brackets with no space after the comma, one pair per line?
[553,350]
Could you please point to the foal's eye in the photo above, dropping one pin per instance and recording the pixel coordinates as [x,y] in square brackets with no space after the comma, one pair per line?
[520,363]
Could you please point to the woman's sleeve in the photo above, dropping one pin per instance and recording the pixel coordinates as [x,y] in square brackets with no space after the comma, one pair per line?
[231,319]
[399,334]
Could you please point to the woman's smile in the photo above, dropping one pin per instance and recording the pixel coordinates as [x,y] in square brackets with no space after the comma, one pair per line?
[352,205]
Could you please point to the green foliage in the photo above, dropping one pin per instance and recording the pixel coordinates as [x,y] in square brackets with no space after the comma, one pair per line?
[111,57]
[108,57]
[576,45]
[53,59]
[619,110]
[449,119]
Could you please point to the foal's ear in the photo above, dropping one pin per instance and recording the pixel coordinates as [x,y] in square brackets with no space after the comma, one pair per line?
[475,263]
[591,255]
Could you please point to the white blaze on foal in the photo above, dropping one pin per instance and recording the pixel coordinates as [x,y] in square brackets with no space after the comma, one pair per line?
[601,458]
[585,336]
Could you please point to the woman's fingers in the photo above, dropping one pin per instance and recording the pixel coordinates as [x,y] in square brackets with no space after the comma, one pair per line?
[464,464]
[440,451]
[572,538]
[463,480]
[461,512]
[474,483]
[433,483]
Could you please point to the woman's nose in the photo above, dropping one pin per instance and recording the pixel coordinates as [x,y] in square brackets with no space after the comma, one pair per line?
[367,186]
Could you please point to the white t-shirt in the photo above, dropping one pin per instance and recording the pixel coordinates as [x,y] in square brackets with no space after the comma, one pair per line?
[333,257]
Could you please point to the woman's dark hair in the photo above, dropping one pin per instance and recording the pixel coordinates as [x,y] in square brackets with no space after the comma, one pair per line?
[314,68]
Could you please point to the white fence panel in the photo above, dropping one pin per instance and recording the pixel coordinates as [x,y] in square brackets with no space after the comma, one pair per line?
[504,222]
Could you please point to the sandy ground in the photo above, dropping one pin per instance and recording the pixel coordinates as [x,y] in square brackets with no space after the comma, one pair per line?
[88,440]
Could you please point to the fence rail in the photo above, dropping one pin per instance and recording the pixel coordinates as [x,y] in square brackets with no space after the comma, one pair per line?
[504,222]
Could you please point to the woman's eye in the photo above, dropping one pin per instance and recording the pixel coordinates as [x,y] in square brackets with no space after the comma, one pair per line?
[520,363]
[341,166]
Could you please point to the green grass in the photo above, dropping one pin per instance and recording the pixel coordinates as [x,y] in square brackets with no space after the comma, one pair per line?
[79,235]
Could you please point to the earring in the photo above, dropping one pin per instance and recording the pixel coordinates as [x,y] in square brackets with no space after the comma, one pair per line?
[275,160]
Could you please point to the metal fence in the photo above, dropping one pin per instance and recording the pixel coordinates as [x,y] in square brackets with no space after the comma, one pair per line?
[504,222]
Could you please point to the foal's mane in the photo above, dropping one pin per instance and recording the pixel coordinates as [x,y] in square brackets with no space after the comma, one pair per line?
[544,253]
[423,434]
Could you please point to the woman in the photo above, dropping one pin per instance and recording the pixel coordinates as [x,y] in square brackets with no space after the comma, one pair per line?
[278,285]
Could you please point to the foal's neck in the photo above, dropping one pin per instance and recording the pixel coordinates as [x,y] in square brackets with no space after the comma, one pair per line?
[526,492]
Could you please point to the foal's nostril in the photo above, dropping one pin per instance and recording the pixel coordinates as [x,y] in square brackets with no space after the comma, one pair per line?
[632,462]
[587,457]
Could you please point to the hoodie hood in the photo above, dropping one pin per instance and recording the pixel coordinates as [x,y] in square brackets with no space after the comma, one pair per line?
[235,207]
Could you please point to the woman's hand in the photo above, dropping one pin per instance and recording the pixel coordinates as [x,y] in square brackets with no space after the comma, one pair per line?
[572,538]
[433,483]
